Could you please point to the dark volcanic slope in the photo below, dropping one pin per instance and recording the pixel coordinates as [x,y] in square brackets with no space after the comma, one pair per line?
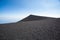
[47,29]
[34,17]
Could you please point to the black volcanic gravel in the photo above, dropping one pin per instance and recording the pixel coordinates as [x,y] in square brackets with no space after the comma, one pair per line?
[39,29]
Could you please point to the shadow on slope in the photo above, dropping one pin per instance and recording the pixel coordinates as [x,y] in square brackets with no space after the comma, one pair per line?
[34,17]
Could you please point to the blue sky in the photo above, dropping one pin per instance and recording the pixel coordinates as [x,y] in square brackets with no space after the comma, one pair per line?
[15,10]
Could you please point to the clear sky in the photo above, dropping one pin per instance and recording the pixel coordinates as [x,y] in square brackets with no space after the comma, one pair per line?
[15,10]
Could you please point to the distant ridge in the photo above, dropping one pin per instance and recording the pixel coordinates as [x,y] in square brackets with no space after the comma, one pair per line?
[34,17]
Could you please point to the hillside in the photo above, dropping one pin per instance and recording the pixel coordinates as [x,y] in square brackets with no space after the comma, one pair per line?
[34,17]
[32,29]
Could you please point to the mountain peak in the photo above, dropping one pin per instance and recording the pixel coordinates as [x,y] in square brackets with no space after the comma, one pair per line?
[34,17]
